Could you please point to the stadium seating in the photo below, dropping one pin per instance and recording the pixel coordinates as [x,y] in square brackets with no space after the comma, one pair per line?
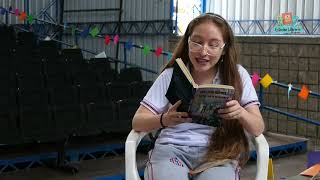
[48,94]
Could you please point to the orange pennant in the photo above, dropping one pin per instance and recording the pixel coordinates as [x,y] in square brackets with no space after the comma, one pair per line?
[304,93]
[22,16]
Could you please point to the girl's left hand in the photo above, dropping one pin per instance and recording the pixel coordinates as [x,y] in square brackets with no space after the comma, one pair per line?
[232,110]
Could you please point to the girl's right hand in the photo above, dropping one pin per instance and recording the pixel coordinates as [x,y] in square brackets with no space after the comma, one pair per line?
[172,117]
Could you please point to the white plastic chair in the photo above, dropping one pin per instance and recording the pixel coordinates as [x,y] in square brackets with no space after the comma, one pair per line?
[134,138]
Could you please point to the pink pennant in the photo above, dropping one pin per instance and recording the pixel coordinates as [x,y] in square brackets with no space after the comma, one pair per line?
[116,39]
[255,79]
[158,51]
[107,40]
[16,12]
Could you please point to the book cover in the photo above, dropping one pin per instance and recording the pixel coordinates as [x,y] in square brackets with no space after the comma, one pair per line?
[200,101]
[205,104]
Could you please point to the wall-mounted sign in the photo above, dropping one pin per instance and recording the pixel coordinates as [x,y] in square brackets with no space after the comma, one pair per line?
[288,24]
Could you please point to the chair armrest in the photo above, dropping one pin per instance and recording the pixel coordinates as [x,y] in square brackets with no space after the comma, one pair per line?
[262,149]
[132,143]
[134,138]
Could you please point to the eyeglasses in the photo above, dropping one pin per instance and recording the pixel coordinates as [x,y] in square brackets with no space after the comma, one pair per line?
[211,50]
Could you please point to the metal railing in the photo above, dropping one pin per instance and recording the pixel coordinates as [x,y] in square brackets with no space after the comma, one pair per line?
[266,27]
[298,118]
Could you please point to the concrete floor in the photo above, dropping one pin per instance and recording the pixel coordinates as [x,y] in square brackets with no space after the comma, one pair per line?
[93,169]
[284,167]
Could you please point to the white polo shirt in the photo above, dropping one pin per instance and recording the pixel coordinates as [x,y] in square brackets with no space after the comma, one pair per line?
[190,134]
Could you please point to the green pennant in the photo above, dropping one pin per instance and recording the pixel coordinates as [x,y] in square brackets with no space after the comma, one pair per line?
[146,50]
[73,30]
[30,19]
[94,32]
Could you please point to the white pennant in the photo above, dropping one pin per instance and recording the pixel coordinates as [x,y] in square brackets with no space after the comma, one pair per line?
[101,55]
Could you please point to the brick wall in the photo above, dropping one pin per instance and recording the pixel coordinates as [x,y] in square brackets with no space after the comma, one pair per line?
[294,60]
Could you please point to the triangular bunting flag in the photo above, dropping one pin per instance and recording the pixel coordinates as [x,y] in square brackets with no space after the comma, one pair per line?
[101,55]
[128,45]
[169,55]
[255,79]
[158,51]
[2,11]
[146,49]
[73,30]
[85,33]
[94,31]
[30,19]
[116,39]
[17,12]
[22,16]
[47,38]
[266,81]
[304,93]
[106,40]
[289,90]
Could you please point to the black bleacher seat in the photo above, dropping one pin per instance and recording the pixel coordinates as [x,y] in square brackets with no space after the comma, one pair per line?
[57,73]
[27,39]
[140,89]
[7,75]
[28,66]
[82,76]
[101,118]
[99,65]
[26,44]
[68,114]
[118,91]
[57,81]
[8,40]
[100,111]
[48,49]
[92,94]
[35,116]
[78,67]
[72,55]
[7,81]
[129,75]
[30,80]
[9,129]
[108,76]
[126,109]
[85,79]
[5,62]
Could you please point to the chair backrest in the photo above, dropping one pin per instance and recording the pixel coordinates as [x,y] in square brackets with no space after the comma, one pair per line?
[130,75]
[48,49]
[72,55]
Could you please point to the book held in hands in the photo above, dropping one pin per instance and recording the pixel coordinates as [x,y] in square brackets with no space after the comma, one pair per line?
[205,100]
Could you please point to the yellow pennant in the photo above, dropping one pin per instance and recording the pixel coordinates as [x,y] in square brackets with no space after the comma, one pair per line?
[266,81]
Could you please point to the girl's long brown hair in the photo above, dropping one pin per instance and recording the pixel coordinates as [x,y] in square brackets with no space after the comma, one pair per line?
[228,141]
